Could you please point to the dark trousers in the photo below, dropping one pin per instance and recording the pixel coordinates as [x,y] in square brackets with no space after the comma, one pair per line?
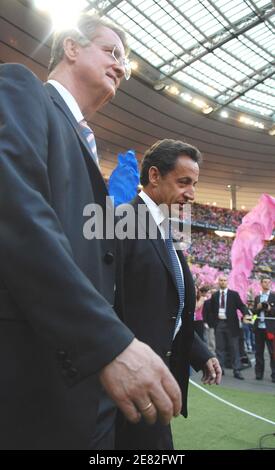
[142,436]
[260,342]
[225,339]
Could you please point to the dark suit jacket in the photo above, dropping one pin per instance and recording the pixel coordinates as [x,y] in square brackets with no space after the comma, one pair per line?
[148,303]
[270,324]
[233,302]
[56,287]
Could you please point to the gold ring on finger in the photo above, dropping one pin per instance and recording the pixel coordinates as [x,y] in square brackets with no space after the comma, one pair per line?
[147,407]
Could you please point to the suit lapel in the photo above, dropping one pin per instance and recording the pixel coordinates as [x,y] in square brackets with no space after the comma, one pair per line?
[96,178]
[188,282]
[228,298]
[158,243]
[217,300]
[58,100]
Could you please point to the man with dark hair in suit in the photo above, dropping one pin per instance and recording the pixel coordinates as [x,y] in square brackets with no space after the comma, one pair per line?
[157,298]
[264,307]
[224,305]
[60,339]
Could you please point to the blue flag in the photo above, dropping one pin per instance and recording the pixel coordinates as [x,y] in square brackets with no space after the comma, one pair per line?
[124,179]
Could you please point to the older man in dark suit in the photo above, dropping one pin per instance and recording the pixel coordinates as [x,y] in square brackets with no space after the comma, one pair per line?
[60,339]
[157,298]
[224,305]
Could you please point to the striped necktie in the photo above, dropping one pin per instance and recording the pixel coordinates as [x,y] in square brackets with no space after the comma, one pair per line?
[179,277]
[88,134]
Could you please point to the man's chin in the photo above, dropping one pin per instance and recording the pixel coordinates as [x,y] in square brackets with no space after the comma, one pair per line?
[110,94]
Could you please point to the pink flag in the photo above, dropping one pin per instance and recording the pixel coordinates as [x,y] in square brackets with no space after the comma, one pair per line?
[256,227]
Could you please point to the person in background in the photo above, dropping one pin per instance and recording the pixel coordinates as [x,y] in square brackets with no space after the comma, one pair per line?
[264,307]
[61,343]
[201,297]
[248,333]
[156,295]
[224,305]
[208,319]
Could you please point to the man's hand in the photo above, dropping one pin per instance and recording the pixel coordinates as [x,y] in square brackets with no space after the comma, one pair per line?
[140,384]
[212,372]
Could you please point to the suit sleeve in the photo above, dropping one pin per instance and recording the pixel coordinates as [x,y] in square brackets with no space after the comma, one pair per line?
[204,313]
[37,267]
[272,303]
[199,353]
[240,305]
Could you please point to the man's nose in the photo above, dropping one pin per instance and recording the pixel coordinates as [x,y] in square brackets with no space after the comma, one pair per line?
[190,194]
[119,70]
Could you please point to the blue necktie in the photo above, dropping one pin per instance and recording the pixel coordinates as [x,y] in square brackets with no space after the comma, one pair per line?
[178,276]
[89,136]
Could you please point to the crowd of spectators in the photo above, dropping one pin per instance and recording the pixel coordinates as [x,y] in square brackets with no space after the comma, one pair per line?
[216,217]
[208,248]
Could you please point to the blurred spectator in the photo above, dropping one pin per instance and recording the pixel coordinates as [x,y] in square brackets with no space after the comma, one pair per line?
[208,319]
[264,306]
[218,217]
[224,305]
[198,319]
[208,248]
[248,334]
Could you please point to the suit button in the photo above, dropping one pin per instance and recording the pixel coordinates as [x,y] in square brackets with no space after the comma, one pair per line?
[108,257]
[61,355]
[168,354]
[72,372]
[67,364]
[173,318]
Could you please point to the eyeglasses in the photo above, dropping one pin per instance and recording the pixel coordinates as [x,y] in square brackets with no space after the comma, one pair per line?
[123,61]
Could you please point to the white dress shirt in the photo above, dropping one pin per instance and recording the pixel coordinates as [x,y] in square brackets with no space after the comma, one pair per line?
[69,100]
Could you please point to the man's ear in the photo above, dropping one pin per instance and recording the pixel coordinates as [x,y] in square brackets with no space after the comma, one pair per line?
[71,49]
[154,176]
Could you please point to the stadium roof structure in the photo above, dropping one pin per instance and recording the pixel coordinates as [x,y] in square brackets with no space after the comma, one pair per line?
[222,49]
[205,75]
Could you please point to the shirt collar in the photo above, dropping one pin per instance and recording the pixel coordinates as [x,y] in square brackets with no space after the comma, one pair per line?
[224,290]
[69,100]
[154,209]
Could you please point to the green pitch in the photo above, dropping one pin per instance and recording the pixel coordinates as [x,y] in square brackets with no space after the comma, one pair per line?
[213,425]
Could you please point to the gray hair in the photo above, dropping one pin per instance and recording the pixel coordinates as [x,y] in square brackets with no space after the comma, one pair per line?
[83,34]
